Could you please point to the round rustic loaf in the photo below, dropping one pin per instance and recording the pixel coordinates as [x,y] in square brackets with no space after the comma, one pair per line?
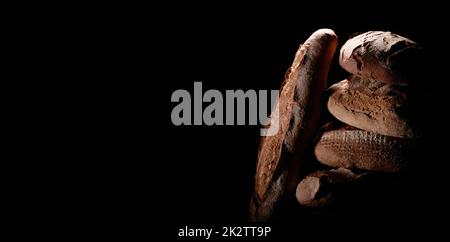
[382,56]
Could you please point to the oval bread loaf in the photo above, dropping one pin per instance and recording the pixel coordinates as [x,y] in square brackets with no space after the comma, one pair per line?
[350,147]
[371,105]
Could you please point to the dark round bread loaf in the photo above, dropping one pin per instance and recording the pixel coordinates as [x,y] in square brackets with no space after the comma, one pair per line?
[382,56]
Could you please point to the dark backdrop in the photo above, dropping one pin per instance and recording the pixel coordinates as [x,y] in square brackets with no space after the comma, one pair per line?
[200,175]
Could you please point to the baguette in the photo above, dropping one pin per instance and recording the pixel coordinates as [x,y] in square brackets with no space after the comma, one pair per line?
[299,104]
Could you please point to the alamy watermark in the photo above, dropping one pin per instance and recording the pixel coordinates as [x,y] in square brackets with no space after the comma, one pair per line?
[232,104]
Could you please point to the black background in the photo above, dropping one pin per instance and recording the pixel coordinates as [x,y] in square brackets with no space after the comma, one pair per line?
[200,175]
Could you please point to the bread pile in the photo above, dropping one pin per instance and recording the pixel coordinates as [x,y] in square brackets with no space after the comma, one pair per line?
[372,128]
[376,133]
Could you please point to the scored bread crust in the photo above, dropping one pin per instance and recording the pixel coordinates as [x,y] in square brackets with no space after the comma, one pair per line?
[299,103]
[349,147]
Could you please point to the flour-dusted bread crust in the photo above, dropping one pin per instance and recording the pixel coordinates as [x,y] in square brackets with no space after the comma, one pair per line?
[371,105]
[382,56]
[299,106]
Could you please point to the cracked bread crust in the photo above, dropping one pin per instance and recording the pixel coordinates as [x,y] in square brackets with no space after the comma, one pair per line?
[299,105]
[382,56]
[371,105]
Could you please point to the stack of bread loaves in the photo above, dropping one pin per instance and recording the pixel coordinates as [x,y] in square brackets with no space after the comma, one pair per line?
[375,131]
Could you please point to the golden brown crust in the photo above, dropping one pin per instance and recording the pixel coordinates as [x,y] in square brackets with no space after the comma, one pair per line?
[299,106]
[370,105]
[350,147]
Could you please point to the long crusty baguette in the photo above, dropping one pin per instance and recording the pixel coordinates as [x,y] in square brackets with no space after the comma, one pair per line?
[299,106]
